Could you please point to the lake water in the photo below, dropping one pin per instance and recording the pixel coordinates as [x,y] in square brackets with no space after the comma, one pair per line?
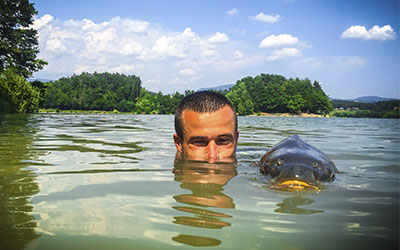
[107,181]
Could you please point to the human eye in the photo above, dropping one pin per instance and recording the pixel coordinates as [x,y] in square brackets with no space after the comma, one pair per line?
[224,140]
[199,142]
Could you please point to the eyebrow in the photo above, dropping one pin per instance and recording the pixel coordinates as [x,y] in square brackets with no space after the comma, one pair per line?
[225,135]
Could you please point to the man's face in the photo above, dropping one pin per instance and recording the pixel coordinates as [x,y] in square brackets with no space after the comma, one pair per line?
[208,136]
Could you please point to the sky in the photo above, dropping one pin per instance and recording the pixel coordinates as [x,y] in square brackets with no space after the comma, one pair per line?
[350,46]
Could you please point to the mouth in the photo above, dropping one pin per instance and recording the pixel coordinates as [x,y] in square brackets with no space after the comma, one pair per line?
[295,185]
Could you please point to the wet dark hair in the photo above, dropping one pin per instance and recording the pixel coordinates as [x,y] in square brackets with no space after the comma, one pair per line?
[201,102]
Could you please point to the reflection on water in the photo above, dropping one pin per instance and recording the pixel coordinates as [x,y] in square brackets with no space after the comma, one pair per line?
[196,241]
[291,205]
[206,182]
[17,185]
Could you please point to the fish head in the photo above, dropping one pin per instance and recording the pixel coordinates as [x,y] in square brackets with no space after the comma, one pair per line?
[298,170]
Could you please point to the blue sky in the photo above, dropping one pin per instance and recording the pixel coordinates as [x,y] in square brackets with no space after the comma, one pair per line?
[350,46]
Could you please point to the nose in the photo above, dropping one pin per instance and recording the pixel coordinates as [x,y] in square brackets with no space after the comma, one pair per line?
[212,151]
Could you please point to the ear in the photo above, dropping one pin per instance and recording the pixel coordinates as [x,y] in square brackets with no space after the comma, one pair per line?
[237,136]
[178,143]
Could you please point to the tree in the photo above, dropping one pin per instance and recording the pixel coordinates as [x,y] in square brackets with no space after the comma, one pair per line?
[241,99]
[18,43]
[41,87]
[97,91]
[275,98]
[16,94]
[296,103]
[275,94]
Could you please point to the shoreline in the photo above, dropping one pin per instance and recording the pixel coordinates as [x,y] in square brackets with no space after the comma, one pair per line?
[290,115]
[54,111]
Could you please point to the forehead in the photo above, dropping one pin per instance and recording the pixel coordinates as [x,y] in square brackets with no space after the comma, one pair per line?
[221,121]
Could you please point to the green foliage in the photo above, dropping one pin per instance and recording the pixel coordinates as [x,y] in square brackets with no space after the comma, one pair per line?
[18,43]
[382,109]
[97,91]
[263,93]
[377,106]
[241,99]
[16,94]
[296,103]
[392,114]
[276,94]
[41,87]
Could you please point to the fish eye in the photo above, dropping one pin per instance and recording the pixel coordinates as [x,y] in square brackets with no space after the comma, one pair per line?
[279,162]
[315,165]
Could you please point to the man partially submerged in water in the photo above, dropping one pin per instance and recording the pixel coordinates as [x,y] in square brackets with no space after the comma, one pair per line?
[206,138]
[206,128]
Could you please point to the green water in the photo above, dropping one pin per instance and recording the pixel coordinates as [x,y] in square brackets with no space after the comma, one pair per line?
[110,182]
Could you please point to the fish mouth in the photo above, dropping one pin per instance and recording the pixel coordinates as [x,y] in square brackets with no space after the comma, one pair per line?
[295,185]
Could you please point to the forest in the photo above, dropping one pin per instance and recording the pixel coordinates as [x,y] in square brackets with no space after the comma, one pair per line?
[268,93]
[106,91]
[382,109]
[265,93]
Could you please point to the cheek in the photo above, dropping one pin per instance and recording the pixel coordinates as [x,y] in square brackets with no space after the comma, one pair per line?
[227,151]
[189,149]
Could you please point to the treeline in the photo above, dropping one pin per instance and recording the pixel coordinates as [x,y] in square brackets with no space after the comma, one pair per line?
[95,91]
[276,94]
[265,93]
[381,109]
[105,91]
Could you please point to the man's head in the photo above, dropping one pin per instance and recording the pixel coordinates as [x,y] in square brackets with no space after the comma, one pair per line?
[206,127]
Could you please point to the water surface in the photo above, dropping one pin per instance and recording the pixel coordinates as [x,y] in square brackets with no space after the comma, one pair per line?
[110,182]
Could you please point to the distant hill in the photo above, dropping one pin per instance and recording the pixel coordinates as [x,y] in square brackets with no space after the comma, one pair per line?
[366,99]
[221,87]
[370,99]
[39,79]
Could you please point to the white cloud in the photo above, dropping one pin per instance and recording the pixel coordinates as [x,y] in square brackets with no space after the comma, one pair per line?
[187,72]
[278,41]
[87,24]
[56,46]
[124,68]
[266,18]
[219,38]
[161,57]
[132,48]
[38,23]
[165,46]
[210,53]
[232,12]
[283,53]
[375,33]
[238,54]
